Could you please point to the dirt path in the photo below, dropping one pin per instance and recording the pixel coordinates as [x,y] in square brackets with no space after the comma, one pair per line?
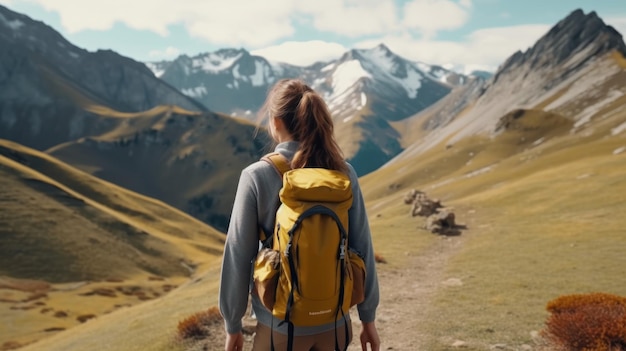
[406,296]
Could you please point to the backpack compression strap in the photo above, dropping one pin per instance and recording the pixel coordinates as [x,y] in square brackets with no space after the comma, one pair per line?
[341,256]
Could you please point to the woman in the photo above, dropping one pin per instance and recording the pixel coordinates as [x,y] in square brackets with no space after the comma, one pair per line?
[301,125]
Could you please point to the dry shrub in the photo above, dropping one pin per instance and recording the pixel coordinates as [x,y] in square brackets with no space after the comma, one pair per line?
[35,296]
[85,317]
[61,314]
[23,284]
[587,322]
[198,325]
[379,259]
[10,345]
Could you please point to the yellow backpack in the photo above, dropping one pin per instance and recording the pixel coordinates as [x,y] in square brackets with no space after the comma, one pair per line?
[308,275]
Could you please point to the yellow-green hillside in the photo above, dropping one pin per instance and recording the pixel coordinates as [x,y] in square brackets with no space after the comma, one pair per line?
[543,209]
[73,246]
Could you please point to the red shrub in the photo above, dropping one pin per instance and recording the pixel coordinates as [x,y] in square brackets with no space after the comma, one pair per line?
[379,259]
[198,326]
[589,322]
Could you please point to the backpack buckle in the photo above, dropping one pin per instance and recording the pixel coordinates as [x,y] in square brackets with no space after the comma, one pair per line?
[342,249]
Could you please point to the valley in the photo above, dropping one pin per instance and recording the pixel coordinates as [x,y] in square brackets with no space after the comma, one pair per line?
[117,179]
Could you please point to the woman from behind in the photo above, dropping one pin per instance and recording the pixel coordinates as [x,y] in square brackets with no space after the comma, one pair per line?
[302,127]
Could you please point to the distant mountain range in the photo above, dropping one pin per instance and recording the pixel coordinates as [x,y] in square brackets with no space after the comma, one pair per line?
[99,158]
[151,130]
[365,90]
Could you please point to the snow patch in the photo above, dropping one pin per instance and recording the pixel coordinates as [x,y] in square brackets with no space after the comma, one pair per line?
[346,75]
[363,99]
[380,57]
[328,67]
[423,67]
[412,83]
[156,70]
[348,119]
[258,78]
[214,63]
[619,150]
[618,129]
[195,92]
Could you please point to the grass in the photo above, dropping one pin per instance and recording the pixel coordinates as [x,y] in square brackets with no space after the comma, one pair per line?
[544,222]
[99,248]
[543,207]
[147,152]
[151,325]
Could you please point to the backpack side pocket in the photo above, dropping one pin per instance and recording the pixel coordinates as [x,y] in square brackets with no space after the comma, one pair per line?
[266,272]
[357,266]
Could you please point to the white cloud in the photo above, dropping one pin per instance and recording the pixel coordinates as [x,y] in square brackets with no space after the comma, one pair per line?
[351,18]
[169,53]
[430,16]
[302,53]
[233,22]
[484,48]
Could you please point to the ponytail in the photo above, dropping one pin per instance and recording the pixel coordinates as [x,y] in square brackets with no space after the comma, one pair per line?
[308,120]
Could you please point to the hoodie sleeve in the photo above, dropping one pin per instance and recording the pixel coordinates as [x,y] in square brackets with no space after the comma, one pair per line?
[240,249]
[360,238]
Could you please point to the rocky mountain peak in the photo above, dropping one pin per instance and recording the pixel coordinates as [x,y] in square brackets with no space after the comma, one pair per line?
[579,35]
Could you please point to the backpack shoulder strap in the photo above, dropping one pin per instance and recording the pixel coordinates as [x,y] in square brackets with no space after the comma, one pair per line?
[280,165]
[278,161]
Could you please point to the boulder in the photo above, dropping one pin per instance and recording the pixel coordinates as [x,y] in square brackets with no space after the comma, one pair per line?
[441,222]
[424,206]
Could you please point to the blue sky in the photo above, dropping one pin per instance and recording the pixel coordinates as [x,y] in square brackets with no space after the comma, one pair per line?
[460,34]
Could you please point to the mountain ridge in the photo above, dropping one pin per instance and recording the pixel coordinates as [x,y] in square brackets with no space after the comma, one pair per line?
[538,78]
[365,89]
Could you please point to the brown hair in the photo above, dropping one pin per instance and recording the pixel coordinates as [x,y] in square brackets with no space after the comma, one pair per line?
[308,120]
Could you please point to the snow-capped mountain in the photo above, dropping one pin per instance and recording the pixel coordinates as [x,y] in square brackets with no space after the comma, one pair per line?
[388,85]
[365,90]
[231,81]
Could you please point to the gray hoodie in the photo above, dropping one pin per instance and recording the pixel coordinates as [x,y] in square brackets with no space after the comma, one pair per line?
[255,205]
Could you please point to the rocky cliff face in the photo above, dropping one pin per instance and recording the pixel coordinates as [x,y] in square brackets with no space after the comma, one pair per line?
[574,70]
[48,85]
[110,116]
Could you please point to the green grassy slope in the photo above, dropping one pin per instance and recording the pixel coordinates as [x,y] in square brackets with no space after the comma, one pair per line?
[72,245]
[543,209]
[60,224]
[148,152]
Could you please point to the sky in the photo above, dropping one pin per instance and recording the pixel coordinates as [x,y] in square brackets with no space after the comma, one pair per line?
[459,34]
